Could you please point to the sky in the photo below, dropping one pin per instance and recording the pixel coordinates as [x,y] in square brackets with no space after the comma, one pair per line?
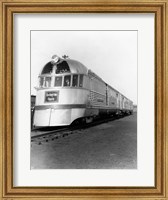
[112,55]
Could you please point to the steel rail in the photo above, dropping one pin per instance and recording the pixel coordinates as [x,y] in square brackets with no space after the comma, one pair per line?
[62,132]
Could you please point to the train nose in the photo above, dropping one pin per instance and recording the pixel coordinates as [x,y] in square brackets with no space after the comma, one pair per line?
[52,117]
[60,117]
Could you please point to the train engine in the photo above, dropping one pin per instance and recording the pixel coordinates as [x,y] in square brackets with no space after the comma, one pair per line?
[62,93]
[68,91]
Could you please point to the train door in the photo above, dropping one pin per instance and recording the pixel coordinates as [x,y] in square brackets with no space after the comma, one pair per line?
[117,97]
[124,103]
[106,95]
[120,101]
[90,94]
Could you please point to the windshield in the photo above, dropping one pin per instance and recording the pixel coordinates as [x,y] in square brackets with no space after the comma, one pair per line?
[48,68]
[75,80]
[45,82]
[62,67]
[67,81]
[58,81]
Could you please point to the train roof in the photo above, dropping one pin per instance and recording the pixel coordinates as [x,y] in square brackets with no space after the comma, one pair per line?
[69,65]
[76,66]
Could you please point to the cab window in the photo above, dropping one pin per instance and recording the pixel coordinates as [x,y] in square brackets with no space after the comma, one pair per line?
[67,81]
[47,82]
[58,81]
[75,81]
[81,81]
[47,68]
[62,67]
[41,81]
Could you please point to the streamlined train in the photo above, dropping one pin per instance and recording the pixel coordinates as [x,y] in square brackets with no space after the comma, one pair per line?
[68,91]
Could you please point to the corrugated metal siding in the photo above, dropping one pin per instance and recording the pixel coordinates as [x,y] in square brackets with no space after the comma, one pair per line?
[97,99]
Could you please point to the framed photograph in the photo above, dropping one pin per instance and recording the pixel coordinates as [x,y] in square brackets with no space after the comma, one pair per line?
[84,92]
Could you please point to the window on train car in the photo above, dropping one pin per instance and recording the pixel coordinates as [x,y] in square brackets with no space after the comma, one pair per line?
[47,82]
[58,81]
[62,67]
[48,68]
[81,81]
[67,81]
[41,81]
[75,81]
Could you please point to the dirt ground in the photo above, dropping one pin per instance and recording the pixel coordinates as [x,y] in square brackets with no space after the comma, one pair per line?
[111,145]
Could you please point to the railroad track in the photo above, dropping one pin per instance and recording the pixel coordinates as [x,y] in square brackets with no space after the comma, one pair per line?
[50,135]
[47,136]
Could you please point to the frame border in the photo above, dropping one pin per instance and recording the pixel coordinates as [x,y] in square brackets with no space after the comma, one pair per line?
[10,7]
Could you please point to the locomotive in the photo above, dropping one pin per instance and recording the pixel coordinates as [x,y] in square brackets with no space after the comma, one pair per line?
[68,91]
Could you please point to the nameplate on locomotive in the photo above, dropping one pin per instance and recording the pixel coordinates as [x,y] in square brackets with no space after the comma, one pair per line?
[51,96]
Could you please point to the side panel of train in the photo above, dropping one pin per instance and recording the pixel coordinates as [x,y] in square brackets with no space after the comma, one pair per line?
[107,100]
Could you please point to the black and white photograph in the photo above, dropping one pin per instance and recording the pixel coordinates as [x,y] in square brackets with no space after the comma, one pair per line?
[83,99]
